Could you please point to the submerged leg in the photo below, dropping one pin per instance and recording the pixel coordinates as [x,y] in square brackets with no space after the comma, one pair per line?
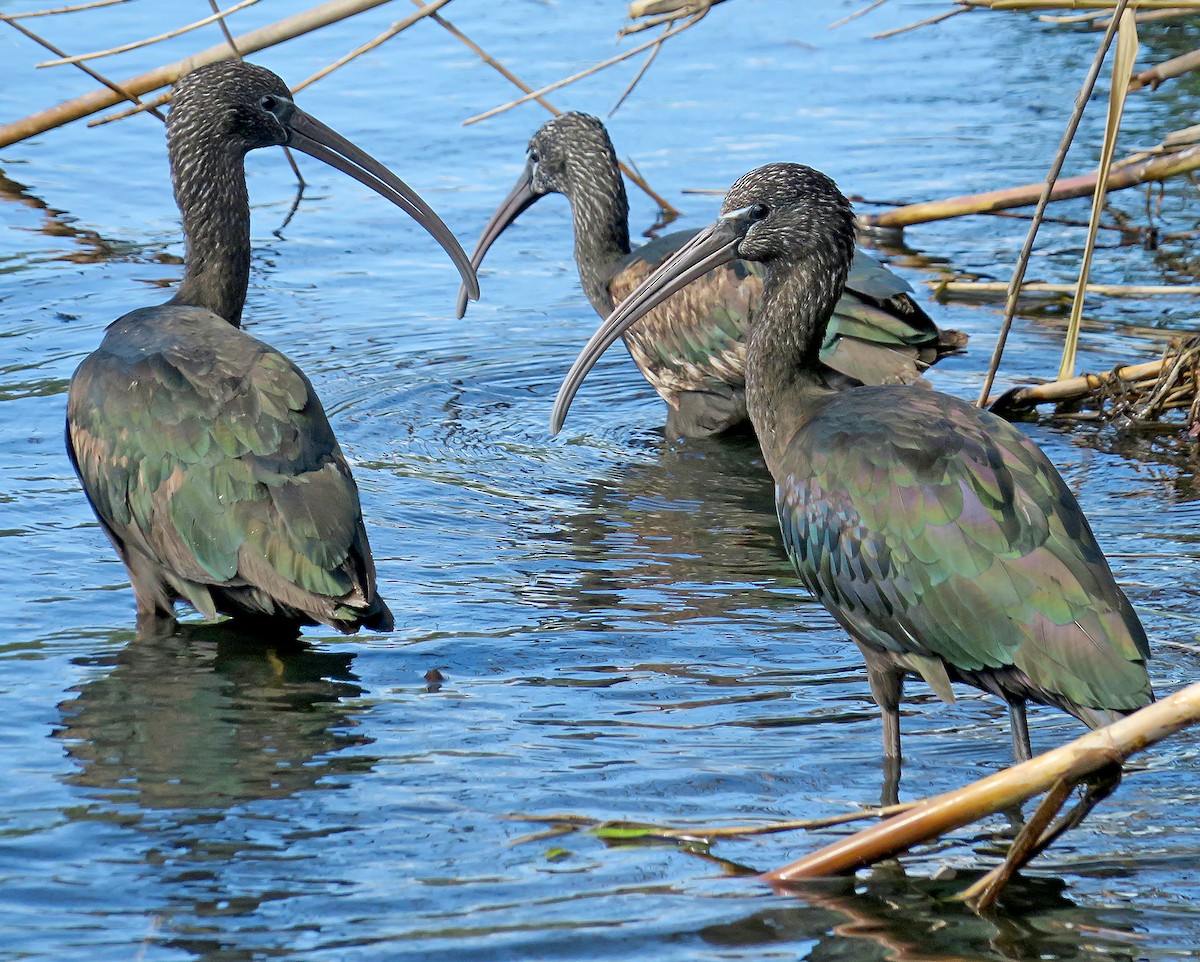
[1022,751]
[887,685]
[886,688]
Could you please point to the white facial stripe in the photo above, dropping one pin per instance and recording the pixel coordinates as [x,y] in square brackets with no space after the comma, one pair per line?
[733,214]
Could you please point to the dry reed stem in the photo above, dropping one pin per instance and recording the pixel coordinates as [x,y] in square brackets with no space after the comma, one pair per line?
[1044,193]
[928,21]
[1124,174]
[533,95]
[1074,388]
[286,29]
[516,81]
[654,51]
[1167,70]
[1123,61]
[1141,392]
[121,92]
[675,9]
[160,101]
[856,14]
[1046,287]
[400,25]
[933,817]
[125,48]
[57,10]
[1027,5]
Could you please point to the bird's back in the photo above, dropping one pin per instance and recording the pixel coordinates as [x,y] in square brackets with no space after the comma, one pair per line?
[929,527]
[694,343]
[212,465]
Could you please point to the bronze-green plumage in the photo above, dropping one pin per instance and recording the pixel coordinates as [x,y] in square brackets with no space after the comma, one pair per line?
[938,535]
[692,350]
[204,451]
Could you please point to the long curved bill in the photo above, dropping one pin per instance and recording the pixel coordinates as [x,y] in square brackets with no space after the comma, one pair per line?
[712,247]
[519,199]
[307,134]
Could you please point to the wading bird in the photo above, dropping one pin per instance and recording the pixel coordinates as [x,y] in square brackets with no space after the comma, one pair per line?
[939,536]
[205,452]
[692,349]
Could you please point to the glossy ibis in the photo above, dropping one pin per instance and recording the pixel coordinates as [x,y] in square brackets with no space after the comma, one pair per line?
[938,535]
[206,453]
[692,350]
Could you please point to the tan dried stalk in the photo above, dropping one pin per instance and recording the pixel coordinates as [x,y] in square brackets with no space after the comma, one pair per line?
[57,10]
[398,27]
[286,29]
[1045,287]
[121,92]
[124,48]
[1044,195]
[667,208]
[533,95]
[1075,762]
[1123,61]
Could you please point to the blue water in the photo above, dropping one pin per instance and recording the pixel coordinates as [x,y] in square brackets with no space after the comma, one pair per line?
[617,631]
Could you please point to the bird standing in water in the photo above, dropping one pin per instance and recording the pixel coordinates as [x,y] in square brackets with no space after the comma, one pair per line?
[692,350]
[939,536]
[206,453]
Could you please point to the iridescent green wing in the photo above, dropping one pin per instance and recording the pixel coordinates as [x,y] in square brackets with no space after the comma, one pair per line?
[929,527]
[209,452]
[878,307]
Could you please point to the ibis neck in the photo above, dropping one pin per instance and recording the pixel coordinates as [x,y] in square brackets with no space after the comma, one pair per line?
[785,380]
[601,215]
[210,188]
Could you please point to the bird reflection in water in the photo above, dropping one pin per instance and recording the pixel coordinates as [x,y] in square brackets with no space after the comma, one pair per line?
[206,718]
[675,536]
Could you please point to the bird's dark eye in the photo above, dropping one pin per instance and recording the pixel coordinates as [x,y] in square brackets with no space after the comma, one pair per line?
[533,156]
[268,103]
[758,211]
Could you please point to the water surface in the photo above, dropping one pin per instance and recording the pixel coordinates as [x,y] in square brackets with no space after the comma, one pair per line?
[618,632]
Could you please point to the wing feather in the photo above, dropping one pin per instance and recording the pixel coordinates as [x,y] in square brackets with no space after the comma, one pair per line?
[208,452]
[929,527]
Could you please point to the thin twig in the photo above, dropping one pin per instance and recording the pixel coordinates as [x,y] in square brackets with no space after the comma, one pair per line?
[99,78]
[533,95]
[161,100]
[124,48]
[50,13]
[1018,275]
[426,11]
[920,23]
[857,13]
[637,77]
[95,101]
[516,81]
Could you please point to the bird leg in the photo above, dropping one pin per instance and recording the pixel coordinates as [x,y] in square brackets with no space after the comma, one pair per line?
[1038,833]
[1022,750]
[887,686]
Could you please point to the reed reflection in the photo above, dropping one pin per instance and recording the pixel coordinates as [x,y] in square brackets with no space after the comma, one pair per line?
[888,916]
